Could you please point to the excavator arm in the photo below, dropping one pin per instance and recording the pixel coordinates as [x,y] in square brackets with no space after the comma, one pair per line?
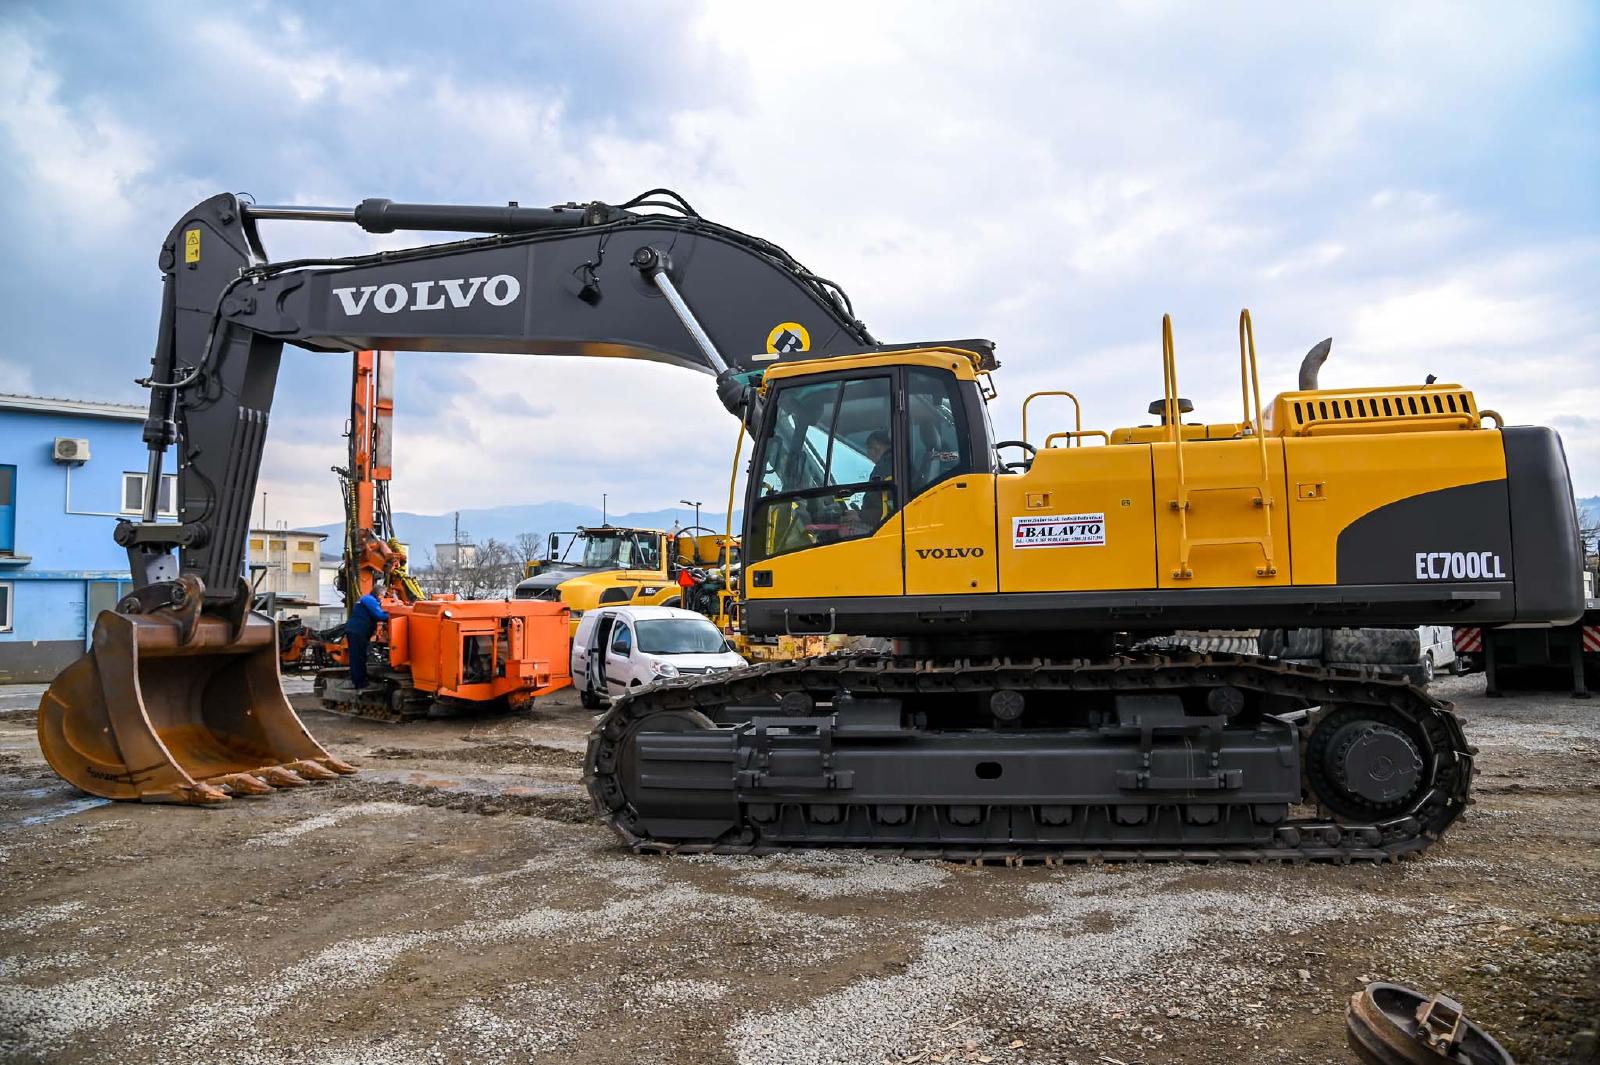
[645,280]
[179,698]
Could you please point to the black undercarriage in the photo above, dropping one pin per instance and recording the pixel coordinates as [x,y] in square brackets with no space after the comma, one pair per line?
[1135,756]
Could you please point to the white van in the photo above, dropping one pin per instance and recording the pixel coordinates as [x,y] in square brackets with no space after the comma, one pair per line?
[622,647]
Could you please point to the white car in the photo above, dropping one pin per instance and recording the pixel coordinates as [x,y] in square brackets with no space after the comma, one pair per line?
[623,647]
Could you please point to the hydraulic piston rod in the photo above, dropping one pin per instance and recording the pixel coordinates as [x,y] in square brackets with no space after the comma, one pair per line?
[654,265]
[386,216]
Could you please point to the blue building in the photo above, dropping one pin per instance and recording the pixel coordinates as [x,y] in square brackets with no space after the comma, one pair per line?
[68,470]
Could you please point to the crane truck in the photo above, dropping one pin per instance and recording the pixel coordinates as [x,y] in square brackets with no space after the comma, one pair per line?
[1020,713]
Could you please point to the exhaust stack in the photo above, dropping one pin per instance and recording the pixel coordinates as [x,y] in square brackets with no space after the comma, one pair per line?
[1311,365]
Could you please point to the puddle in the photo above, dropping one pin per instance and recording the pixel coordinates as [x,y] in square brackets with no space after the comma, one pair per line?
[38,804]
[56,812]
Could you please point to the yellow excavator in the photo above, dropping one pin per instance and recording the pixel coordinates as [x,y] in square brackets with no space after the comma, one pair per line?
[1028,707]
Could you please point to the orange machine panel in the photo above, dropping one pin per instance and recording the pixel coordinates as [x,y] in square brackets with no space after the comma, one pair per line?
[482,650]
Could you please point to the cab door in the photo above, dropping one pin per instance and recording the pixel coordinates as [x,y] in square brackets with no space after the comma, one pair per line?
[947,472]
[619,659]
[825,517]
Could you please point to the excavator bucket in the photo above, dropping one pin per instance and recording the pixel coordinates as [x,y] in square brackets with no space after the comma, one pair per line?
[171,706]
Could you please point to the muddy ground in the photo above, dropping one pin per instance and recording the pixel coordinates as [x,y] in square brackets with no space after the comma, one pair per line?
[453,903]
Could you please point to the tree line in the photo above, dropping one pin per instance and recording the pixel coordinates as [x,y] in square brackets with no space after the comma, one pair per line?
[489,570]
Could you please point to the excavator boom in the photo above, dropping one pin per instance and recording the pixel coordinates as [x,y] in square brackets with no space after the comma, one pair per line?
[178,700]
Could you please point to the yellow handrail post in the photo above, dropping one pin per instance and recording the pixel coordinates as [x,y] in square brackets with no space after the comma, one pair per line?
[1174,424]
[1250,383]
[1077,410]
[1250,387]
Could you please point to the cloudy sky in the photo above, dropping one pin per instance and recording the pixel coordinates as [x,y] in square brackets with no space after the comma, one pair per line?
[1419,181]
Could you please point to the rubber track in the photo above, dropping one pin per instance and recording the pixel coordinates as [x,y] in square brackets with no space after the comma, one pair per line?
[1324,838]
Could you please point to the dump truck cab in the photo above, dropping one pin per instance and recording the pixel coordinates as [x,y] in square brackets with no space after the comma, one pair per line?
[615,566]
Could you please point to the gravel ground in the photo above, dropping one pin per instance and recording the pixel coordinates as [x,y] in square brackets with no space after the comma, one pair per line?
[453,903]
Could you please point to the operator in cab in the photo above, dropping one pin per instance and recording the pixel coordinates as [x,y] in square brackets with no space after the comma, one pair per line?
[358,631]
[878,503]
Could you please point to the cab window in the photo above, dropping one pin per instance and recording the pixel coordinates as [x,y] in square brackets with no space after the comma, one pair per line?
[622,641]
[939,444]
[827,465]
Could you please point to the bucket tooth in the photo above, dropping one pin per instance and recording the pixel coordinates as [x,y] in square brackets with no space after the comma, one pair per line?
[312,770]
[203,793]
[338,765]
[160,706]
[279,777]
[243,784]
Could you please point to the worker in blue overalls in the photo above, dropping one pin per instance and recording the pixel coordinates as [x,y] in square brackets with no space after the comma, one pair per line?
[358,632]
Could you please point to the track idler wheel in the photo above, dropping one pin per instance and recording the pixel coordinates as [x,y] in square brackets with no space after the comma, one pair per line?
[1366,763]
[173,705]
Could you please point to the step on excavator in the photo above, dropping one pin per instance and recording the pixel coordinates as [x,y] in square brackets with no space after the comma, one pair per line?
[1026,710]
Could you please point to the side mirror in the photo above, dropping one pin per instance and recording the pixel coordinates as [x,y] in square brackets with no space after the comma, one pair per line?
[555,543]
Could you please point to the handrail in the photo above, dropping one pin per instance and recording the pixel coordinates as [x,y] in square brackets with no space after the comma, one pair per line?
[1077,409]
[1250,389]
[1251,386]
[1331,428]
[1078,435]
[1174,419]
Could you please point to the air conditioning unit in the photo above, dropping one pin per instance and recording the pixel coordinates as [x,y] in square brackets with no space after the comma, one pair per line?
[75,451]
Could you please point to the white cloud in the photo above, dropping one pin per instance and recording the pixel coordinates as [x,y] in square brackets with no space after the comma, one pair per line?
[77,159]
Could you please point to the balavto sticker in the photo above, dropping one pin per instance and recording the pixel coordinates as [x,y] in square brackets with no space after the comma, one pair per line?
[1059,530]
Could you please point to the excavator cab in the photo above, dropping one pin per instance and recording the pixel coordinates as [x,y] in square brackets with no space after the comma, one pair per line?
[172,705]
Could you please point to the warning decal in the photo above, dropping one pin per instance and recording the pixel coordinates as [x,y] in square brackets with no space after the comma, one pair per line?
[786,338]
[1059,530]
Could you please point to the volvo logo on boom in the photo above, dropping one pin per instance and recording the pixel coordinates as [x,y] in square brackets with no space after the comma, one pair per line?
[457,292]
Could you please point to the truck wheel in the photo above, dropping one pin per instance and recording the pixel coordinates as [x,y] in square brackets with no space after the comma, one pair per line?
[1427,668]
[1303,643]
[1391,647]
[589,699]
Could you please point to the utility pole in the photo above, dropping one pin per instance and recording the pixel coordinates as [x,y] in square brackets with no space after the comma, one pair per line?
[696,506]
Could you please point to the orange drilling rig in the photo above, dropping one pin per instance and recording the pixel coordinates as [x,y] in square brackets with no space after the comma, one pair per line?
[440,651]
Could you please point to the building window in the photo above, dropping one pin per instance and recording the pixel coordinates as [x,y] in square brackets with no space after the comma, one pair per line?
[307,545]
[256,544]
[279,545]
[133,494]
[5,606]
[8,510]
[302,567]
